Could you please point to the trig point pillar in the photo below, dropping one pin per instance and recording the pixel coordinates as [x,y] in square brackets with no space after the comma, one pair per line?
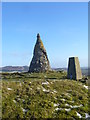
[74,71]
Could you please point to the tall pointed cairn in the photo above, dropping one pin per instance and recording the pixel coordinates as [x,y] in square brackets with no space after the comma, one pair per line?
[40,62]
[74,71]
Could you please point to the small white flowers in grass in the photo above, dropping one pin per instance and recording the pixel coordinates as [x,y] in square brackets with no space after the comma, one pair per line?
[23,100]
[79,115]
[85,86]
[58,109]
[45,90]
[55,105]
[87,115]
[63,99]
[69,90]
[45,83]
[24,110]
[18,98]
[51,82]
[60,95]
[67,94]
[55,98]
[30,88]
[55,91]
[67,109]
[63,109]
[52,92]
[72,101]
[67,105]
[14,101]
[76,106]
[9,88]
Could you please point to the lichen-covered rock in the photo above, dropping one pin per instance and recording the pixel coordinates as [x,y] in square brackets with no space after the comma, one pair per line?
[40,62]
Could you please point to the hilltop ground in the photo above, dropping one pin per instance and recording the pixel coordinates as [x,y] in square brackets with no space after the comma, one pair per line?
[43,95]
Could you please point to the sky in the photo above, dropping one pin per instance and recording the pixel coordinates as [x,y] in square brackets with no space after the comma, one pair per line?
[63,28]
[45,0]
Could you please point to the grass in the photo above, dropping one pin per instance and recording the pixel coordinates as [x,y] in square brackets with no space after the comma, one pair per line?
[43,95]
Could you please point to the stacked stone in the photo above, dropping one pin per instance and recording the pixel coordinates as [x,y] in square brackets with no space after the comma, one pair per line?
[40,62]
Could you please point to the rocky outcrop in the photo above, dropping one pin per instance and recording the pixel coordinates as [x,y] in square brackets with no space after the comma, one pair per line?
[40,62]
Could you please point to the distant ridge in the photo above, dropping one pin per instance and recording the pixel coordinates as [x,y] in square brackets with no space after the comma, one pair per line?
[26,68]
[14,68]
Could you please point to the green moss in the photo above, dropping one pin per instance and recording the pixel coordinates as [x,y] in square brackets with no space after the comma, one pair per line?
[27,93]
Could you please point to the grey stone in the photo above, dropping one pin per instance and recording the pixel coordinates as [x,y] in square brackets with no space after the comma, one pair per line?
[74,71]
[40,62]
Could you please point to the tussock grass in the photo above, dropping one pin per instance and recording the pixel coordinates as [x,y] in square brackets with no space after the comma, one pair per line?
[42,95]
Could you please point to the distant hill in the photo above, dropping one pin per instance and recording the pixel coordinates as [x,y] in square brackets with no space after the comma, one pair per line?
[26,68]
[14,68]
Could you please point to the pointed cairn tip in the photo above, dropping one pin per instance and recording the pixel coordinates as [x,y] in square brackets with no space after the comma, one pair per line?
[38,36]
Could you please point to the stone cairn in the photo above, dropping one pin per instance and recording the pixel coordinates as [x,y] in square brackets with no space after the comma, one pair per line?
[40,62]
[74,71]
